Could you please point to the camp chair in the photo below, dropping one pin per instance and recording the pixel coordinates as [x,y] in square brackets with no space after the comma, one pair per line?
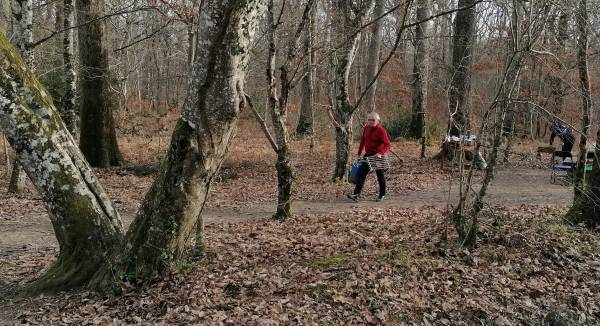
[562,167]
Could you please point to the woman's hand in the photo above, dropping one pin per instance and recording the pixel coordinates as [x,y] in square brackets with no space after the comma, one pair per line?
[378,155]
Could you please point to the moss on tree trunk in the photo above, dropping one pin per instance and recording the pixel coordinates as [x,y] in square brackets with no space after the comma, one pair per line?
[87,227]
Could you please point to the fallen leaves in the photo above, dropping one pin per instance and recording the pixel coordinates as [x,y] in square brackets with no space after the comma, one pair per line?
[344,269]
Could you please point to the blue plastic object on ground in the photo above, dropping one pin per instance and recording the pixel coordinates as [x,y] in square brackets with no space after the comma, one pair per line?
[354,173]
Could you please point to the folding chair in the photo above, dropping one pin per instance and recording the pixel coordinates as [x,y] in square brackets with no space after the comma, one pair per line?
[562,169]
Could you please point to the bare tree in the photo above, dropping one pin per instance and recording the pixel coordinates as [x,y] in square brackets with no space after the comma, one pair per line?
[527,23]
[278,105]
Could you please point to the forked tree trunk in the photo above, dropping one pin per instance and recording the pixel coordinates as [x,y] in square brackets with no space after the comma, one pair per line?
[98,140]
[86,225]
[277,106]
[165,228]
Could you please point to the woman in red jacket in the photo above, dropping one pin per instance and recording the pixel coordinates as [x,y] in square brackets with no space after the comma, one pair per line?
[374,142]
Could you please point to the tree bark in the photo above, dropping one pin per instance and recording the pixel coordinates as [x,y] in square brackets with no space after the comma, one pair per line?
[586,200]
[277,106]
[520,41]
[86,225]
[22,12]
[5,16]
[305,125]
[556,98]
[67,111]
[462,58]
[374,50]
[419,76]
[347,20]
[165,228]
[98,140]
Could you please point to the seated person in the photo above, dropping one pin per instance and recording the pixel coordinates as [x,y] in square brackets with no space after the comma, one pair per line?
[565,133]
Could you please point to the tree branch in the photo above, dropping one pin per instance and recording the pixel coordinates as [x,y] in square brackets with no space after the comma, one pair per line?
[262,123]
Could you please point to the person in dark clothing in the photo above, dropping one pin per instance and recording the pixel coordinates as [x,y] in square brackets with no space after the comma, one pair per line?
[374,142]
[565,133]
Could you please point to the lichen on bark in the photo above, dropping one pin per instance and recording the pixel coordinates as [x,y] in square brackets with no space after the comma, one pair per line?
[86,225]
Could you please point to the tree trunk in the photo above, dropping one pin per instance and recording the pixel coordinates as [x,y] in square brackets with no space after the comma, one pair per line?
[98,140]
[67,111]
[556,98]
[278,109]
[347,20]
[165,228]
[468,226]
[22,12]
[419,77]
[374,50]
[5,16]
[305,125]
[462,58]
[586,199]
[343,150]
[86,225]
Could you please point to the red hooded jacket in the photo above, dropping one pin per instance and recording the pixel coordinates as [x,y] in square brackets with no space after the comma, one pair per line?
[374,141]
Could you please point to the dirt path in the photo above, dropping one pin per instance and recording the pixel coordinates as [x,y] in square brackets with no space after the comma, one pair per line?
[33,231]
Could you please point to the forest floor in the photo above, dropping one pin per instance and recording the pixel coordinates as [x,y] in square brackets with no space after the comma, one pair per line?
[337,262]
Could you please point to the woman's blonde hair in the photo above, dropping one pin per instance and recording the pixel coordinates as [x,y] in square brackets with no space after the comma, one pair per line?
[374,115]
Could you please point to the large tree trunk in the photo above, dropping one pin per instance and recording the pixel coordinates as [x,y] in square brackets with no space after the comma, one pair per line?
[419,77]
[462,58]
[67,110]
[22,12]
[347,20]
[586,200]
[305,125]
[98,140]
[374,50]
[86,225]
[164,230]
[4,16]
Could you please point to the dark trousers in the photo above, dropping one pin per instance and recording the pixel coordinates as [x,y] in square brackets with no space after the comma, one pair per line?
[362,177]
[567,147]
